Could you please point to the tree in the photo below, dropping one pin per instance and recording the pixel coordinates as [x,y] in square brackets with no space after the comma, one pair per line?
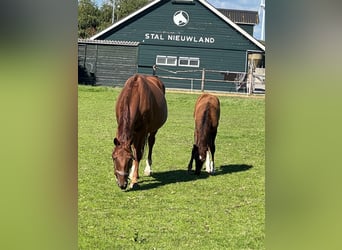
[126,7]
[88,18]
[92,19]
[105,18]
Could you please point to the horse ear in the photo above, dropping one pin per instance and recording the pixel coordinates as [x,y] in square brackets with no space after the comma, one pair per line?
[116,142]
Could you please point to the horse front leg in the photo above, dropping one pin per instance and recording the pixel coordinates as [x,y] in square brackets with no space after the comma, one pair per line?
[151,141]
[191,158]
[134,174]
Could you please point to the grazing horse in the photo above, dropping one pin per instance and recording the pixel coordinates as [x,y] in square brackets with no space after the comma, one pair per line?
[207,115]
[141,109]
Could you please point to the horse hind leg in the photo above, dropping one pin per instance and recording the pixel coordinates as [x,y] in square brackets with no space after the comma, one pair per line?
[212,150]
[151,141]
[210,166]
[148,168]
[207,163]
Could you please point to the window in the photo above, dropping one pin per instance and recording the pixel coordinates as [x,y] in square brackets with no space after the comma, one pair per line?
[189,62]
[166,60]
[182,61]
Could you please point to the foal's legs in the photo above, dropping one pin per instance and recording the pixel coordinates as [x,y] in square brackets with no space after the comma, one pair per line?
[212,151]
[151,141]
[191,158]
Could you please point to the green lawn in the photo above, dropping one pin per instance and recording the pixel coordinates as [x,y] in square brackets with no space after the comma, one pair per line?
[171,209]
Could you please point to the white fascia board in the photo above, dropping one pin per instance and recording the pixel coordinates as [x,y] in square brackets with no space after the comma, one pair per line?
[234,25]
[124,19]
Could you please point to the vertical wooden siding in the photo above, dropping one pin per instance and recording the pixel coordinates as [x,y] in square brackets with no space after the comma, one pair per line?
[110,65]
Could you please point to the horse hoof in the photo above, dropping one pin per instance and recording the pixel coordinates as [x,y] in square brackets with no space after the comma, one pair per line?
[134,186]
[147,173]
[211,172]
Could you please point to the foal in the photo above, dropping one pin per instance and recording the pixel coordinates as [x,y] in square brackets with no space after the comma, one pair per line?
[207,115]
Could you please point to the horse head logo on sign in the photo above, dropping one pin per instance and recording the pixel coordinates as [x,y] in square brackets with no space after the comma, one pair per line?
[181,18]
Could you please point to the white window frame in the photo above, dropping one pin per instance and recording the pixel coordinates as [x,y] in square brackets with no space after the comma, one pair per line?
[169,60]
[189,60]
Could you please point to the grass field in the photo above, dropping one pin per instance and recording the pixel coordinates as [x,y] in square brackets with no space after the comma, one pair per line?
[171,209]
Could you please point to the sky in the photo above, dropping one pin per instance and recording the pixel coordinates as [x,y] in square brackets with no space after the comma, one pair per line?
[229,4]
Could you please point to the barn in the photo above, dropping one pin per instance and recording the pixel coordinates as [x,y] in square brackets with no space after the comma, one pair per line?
[188,43]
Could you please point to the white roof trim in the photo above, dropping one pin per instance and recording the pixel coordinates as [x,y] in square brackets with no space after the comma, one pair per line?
[109,42]
[235,26]
[205,3]
[124,19]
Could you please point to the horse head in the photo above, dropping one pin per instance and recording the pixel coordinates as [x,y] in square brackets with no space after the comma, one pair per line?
[122,159]
[199,155]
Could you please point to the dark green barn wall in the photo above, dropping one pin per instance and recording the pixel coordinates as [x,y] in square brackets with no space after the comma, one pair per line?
[104,64]
[248,28]
[214,59]
[155,28]
[210,59]
[206,36]
[87,56]
[115,64]
[218,45]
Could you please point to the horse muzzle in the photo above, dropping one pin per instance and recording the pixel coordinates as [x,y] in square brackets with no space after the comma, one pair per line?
[124,186]
[121,179]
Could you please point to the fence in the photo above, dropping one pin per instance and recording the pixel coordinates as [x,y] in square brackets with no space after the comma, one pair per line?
[212,80]
[257,81]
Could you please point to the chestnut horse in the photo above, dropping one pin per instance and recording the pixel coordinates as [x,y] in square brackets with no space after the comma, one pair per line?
[141,109]
[207,115]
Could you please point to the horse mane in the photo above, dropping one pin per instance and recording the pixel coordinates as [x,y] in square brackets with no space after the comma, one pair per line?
[124,122]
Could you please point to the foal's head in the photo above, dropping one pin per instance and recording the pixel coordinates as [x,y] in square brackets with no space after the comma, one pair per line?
[123,159]
[199,154]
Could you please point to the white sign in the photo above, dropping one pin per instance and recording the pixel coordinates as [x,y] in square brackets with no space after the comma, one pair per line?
[179,38]
[181,18]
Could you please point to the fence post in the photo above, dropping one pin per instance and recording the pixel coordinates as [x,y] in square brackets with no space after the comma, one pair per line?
[203,77]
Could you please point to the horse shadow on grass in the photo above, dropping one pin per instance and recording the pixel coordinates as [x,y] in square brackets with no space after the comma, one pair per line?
[159,179]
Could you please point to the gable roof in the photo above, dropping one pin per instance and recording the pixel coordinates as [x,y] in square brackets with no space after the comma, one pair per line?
[203,2]
[109,42]
[241,16]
